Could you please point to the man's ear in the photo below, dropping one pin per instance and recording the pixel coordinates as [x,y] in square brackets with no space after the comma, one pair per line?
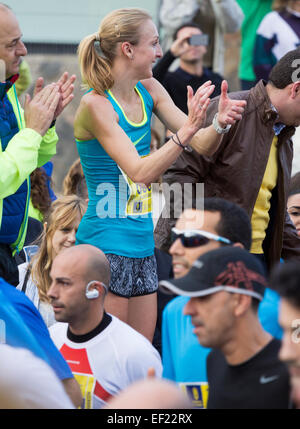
[240,245]
[242,303]
[295,89]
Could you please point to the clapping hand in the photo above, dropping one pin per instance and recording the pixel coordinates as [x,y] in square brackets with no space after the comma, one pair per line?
[197,104]
[66,89]
[229,110]
[39,111]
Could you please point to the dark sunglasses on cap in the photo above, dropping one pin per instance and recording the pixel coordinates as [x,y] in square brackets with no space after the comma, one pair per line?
[195,237]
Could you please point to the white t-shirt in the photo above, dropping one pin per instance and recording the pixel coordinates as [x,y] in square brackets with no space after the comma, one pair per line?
[108,362]
[27,382]
[32,292]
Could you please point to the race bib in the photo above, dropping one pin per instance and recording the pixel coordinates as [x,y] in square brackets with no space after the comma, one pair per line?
[196,392]
[140,198]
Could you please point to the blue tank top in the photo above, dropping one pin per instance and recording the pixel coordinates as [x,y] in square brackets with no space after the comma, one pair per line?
[118,219]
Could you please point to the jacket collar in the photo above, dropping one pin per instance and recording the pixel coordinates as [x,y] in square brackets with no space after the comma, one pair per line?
[263,102]
[5,86]
[267,112]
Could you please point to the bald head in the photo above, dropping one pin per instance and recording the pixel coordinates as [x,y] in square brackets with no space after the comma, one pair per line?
[80,278]
[89,260]
[150,393]
[12,49]
[5,12]
[4,7]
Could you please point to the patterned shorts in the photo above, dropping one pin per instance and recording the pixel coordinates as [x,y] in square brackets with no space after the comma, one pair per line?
[132,276]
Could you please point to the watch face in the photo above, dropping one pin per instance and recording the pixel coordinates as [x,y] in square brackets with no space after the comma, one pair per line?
[217,127]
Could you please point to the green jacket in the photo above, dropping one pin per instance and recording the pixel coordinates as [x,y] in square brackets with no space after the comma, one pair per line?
[26,151]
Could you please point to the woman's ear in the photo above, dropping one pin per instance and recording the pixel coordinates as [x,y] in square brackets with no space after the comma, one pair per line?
[127,50]
[45,226]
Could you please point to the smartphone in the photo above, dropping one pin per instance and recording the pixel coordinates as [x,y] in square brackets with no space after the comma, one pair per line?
[199,39]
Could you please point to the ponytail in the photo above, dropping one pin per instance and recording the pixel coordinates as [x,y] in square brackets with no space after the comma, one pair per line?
[95,65]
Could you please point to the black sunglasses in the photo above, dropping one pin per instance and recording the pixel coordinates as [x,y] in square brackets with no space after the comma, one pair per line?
[196,238]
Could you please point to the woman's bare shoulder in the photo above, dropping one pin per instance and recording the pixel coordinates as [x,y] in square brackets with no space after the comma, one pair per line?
[154,88]
[93,109]
[92,101]
[93,105]
[150,84]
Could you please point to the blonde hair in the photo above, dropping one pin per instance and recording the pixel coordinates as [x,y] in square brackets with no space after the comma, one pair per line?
[97,52]
[63,212]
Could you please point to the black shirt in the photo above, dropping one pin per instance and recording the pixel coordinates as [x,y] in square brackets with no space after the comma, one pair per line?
[176,82]
[262,382]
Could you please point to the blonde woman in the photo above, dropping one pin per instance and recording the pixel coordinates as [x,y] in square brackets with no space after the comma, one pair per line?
[113,133]
[60,227]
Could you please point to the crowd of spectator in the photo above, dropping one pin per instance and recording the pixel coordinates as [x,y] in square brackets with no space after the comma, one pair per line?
[99,307]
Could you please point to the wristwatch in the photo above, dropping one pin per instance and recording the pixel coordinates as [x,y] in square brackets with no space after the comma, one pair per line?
[217,126]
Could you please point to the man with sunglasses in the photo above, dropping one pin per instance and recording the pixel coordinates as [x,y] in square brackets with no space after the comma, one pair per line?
[224,287]
[221,224]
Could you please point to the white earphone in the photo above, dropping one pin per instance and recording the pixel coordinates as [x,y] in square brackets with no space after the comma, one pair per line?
[94,293]
[91,294]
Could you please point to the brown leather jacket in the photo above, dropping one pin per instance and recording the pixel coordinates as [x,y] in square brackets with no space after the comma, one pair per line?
[236,170]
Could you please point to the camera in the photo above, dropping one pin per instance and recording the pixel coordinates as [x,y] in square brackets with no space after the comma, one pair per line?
[199,39]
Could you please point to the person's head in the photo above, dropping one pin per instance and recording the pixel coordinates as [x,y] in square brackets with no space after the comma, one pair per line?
[39,192]
[225,287]
[293,202]
[150,393]
[280,5]
[61,224]
[128,35]
[74,182]
[11,46]
[80,278]
[285,279]
[155,140]
[224,219]
[294,5]
[194,52]
[284,88]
